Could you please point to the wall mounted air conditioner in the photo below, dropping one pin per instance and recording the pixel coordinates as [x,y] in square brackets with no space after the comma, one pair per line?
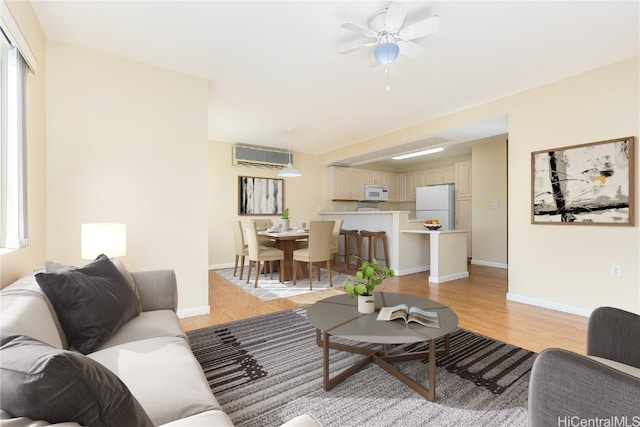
[264,157]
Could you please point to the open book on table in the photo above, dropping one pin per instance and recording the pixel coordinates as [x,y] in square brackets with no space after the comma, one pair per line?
[410,314]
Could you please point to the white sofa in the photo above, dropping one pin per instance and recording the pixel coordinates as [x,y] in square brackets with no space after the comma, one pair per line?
[149,353]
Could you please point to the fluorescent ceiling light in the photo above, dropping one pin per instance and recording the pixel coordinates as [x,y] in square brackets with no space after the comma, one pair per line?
[418,153]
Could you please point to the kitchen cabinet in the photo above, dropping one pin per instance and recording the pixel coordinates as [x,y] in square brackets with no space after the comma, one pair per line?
[409,187]
[463,200]
[463,179]
[440,176]
[338,179]
[392,180]
[421,179]
[357,180]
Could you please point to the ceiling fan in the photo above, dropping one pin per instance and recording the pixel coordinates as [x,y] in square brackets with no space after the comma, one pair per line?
[390,36]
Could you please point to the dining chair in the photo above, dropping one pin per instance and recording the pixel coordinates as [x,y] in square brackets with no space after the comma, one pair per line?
[318,250]
[259,253]
[335,243]
[264,224]
[242,250]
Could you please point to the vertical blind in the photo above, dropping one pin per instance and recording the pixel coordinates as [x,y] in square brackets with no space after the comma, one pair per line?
[14,231]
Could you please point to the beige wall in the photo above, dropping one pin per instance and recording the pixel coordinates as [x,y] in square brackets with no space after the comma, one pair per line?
[489,202]
[304,196]
[18,263]
[569,265]
[127,142]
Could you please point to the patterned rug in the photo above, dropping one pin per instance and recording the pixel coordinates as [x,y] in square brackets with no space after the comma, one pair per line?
[268,369]
[271,289]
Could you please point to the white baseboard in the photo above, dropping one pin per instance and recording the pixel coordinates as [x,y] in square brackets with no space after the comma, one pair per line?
[450,277]
[220,266]
[490,264]
[580,311]
[194,311]
[411,270]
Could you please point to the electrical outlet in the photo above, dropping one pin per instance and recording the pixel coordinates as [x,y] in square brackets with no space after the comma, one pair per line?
[615,271]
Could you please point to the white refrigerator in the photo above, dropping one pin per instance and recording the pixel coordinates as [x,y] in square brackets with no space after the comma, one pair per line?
[437,202]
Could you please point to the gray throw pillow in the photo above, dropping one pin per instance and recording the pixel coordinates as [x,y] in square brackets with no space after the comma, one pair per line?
[91,302]
[45,383]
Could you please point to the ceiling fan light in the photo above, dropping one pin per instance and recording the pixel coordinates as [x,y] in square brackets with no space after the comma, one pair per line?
[386,53]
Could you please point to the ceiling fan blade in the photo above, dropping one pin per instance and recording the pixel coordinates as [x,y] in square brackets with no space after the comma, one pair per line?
[410,49]
[420,29]
[358,29]
[396,14]
[364,46]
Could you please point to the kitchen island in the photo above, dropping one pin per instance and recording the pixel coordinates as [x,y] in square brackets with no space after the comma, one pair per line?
[412,248]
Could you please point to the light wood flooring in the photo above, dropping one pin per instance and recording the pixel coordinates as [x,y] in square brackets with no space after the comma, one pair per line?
[479,301]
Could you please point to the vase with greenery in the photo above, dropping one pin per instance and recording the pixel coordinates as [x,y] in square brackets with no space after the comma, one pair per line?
[285,220]
[368,276]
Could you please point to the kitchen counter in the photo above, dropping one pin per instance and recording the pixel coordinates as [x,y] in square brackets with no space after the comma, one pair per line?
[447,252]
[412,248]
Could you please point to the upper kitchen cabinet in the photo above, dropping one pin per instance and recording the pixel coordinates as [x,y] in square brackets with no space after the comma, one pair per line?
[392,180]
[440,176]
[408,187]
[348,183]
[338,181]
[463,179]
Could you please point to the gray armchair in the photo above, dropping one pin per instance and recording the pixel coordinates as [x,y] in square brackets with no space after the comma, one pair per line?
[567,388]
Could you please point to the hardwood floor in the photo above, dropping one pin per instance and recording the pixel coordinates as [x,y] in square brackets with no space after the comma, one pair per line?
[479,301]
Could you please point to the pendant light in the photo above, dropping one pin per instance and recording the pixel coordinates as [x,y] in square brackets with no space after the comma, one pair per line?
[289,171]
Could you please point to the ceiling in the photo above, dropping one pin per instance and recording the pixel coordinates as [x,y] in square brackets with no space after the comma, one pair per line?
[276,76]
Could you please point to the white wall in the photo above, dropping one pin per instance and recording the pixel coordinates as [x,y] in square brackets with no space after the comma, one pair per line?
[127,142]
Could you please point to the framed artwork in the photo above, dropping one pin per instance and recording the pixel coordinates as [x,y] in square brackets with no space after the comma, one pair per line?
[586,184]
[260,196]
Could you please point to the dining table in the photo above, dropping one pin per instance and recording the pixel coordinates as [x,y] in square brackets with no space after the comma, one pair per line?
[287,241]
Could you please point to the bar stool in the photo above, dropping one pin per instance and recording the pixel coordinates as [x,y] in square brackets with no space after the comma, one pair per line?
[373,237]
[347,235]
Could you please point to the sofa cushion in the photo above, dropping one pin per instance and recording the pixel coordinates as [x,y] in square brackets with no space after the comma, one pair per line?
[148,324]
[91,302]
[163,374]
[44,383]
[27,311]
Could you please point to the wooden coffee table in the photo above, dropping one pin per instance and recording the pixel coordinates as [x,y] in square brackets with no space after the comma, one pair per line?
[338,316]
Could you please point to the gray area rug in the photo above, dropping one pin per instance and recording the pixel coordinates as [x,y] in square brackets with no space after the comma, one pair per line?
[269,289]
[268,369]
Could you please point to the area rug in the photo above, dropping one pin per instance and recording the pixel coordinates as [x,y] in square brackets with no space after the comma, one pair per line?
[269,289]
[268,369]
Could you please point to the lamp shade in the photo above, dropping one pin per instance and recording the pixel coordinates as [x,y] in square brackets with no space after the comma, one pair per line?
[289,171]
[386,53]
[103,238]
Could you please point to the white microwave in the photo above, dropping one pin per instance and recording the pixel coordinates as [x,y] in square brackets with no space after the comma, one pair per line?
[376,193]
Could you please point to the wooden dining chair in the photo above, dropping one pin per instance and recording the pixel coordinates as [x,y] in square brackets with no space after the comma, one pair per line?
[318,251]
[242,250]
[259,253]
[335,243]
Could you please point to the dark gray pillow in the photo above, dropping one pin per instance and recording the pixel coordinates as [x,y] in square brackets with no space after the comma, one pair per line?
[91,302]
[45,383]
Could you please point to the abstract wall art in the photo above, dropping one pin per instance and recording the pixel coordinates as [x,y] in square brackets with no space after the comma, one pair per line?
[586,184]
[260,196]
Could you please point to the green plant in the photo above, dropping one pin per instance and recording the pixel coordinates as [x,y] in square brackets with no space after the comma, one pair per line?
[368,276]
[285,214]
